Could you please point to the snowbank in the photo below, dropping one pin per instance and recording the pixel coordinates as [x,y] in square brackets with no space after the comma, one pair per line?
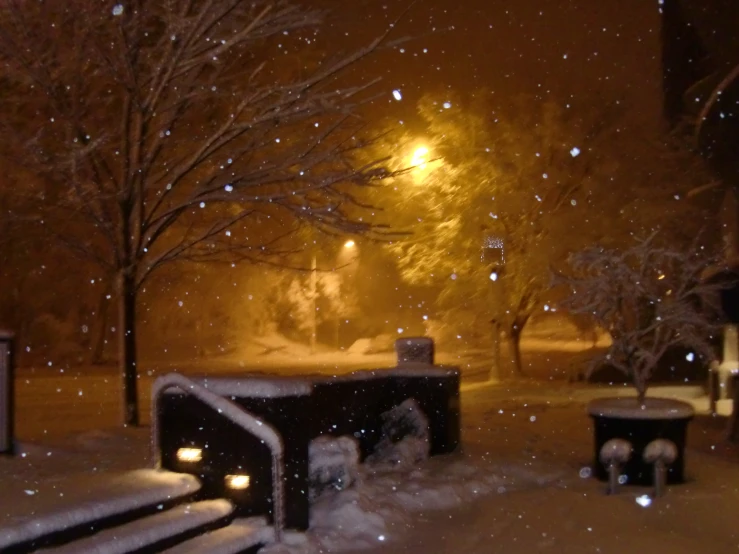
[387,501]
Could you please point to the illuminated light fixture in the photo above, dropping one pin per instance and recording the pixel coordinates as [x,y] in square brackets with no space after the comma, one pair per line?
[237,482]
[190,454]
[420,156]
[349,244]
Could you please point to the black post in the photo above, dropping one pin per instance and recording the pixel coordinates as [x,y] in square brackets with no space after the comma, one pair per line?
[7,396]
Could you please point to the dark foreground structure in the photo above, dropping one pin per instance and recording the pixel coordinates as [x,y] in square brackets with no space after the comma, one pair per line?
[248,438]
[244,454]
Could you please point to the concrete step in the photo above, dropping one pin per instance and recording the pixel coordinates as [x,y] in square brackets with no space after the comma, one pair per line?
[152,533]
[126,497]
[242,536]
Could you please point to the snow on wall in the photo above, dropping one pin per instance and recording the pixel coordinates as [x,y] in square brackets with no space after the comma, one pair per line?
[420,369]
[255,387]
[146,487]
[144,532]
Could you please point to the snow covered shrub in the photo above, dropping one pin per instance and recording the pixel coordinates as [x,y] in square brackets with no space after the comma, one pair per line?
[405,436]
[650,299]
[332,464]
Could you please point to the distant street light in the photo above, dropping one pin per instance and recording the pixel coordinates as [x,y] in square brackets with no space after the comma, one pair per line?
[348,245]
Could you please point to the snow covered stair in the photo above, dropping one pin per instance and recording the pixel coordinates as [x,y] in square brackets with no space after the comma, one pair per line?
[130,496]
[154,532]
[242,535]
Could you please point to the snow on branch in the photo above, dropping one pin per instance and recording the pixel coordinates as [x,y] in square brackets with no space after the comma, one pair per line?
[160,126]
[650,298]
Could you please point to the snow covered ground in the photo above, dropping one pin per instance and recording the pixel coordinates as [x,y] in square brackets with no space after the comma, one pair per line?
[521,484]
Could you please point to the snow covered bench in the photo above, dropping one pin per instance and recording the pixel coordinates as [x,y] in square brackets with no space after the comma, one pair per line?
[300,410]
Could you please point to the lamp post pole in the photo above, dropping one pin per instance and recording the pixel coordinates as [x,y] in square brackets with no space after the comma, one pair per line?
[314,307]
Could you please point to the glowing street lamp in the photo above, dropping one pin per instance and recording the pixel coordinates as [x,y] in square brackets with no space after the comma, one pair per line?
[420,157]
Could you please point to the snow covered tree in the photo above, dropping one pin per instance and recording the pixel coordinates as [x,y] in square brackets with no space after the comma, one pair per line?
[650,298]
[512,190]
[182,129]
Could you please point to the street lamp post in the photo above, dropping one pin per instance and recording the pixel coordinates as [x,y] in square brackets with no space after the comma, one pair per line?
[493,257]
[348,245]
[313,295]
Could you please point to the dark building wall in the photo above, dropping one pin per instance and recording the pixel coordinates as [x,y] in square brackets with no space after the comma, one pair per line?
[700,49]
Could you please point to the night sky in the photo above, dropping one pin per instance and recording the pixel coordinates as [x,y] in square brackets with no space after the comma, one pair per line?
[571,50]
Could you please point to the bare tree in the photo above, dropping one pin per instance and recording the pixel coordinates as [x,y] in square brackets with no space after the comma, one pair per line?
[650,299]
[181,129]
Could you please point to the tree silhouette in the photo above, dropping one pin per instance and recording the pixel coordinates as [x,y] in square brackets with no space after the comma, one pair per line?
[181,129]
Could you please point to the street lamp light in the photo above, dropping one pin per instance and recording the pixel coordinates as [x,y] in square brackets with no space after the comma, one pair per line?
[420,157]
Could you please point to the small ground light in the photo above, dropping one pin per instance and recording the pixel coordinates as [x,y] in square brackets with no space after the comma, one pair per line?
[189,454]
[237,482]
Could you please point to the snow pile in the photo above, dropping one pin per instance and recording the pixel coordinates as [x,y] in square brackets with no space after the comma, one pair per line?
[333,464]
[387,501]
[405,436]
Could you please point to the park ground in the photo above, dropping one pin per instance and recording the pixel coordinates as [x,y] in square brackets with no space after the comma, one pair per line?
[519,485]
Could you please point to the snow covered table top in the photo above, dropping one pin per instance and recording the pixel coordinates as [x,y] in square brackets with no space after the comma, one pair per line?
[631,408]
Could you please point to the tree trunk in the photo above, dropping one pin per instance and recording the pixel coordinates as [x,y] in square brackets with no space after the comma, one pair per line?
[494,372]
[127,346]
[98,341]
[515,342]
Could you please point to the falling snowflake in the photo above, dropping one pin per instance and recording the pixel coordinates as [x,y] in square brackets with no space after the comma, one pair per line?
[397,95]
[575,152]
[118,9]
[643,500]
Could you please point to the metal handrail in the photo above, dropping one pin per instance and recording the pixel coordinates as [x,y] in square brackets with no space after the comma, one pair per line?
[236,414]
